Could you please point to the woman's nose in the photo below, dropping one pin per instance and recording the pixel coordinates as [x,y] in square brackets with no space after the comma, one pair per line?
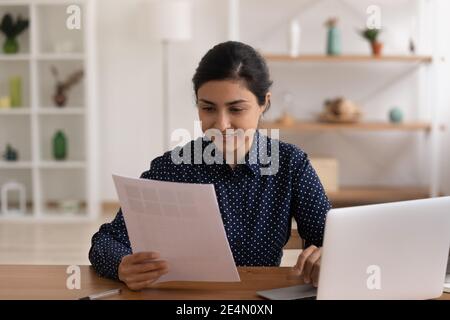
[222,122]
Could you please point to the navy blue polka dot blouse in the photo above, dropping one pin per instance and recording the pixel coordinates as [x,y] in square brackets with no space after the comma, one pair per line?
[257,209]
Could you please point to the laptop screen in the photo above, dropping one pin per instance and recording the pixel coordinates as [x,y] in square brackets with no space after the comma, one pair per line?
[448,263]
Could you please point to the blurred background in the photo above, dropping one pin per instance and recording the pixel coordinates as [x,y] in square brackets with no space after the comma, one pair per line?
[91,88]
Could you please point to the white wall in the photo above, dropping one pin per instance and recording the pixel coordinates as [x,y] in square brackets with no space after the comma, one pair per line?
[386,158]
[130,75]
[443,49]
[131,91]
[130,103]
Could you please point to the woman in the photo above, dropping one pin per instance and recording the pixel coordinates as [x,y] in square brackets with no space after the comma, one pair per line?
[231,86]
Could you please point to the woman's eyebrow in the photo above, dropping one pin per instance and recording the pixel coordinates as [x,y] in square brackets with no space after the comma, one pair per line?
[227,103]
[235,102]
[206,101]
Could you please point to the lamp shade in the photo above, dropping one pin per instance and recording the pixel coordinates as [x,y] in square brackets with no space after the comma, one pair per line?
[170,20]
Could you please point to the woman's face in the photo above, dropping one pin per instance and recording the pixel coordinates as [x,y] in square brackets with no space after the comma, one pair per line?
[227,106]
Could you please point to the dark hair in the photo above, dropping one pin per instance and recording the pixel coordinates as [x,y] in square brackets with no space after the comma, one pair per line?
[234,60]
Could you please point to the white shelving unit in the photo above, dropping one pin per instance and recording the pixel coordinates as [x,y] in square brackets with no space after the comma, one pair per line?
[30,128]
[428,106]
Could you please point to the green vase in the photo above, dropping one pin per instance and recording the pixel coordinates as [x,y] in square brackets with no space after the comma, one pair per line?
[333,42]
[11,46]
[59,145]
[15,91]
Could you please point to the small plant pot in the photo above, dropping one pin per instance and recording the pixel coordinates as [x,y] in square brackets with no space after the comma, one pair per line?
[377,48]
[11,46]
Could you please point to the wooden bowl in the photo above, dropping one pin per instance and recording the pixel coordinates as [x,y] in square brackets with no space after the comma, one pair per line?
[346,118]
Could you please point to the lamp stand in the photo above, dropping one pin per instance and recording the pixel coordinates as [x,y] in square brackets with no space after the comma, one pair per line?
[165,102]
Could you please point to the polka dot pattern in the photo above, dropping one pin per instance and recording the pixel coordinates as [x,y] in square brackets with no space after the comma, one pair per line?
[256,209]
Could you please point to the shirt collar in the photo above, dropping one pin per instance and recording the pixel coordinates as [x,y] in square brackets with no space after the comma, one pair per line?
[252,161]
[251,158]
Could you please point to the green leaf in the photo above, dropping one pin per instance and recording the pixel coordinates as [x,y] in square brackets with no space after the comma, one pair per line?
[11,29]
[7,25]
[370,34]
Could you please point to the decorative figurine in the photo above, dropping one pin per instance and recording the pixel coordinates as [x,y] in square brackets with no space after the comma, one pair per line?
[10,187]
[395,115]
[340,110]
[286,118]
[5,102]
[10,154]
[62,87]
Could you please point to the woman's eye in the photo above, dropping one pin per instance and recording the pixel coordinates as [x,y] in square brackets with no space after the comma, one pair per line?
[236,110]
[208,109]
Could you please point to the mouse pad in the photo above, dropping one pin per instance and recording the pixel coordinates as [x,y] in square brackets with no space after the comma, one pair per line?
[290,293]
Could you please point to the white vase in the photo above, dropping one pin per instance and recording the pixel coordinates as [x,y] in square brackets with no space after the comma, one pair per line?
[294,38]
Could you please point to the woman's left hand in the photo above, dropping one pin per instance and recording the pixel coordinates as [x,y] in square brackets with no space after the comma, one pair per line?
[308,265]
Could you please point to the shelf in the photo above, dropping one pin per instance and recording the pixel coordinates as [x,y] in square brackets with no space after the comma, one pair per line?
[362,126]
[17,217]
[62,165]
[51,217]
[60,56]
[61,112]
[348,58]
[51,212]
[22,111]
[353,196]
[43,57]
[31,129]
[15,165]
[14,57]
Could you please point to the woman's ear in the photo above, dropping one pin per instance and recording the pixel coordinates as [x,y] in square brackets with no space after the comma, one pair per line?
[267,102]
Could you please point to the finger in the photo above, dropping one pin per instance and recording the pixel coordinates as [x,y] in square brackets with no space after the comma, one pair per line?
[147,276]
[309,265]
[142,256]
[147,266]
[128,264]
[136,286]
[137,257]
[316,273]
[303,257]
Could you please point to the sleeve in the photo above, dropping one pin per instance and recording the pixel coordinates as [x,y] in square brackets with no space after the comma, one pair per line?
[108,246]
[111,243]
[310,203]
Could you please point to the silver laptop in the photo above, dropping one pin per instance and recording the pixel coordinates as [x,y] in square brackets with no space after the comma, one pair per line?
[387,251]
[447,276]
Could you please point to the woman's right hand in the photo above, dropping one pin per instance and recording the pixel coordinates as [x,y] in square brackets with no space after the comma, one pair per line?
[138,271]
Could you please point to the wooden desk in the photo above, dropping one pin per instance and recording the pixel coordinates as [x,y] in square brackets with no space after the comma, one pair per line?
[49,282]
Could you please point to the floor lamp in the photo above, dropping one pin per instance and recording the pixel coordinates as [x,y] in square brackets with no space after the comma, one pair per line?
[170,21]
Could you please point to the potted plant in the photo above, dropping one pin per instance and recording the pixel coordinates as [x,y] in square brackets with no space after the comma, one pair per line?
[371,35]
[11,30]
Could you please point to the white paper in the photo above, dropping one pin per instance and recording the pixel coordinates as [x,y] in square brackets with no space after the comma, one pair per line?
[182,222]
